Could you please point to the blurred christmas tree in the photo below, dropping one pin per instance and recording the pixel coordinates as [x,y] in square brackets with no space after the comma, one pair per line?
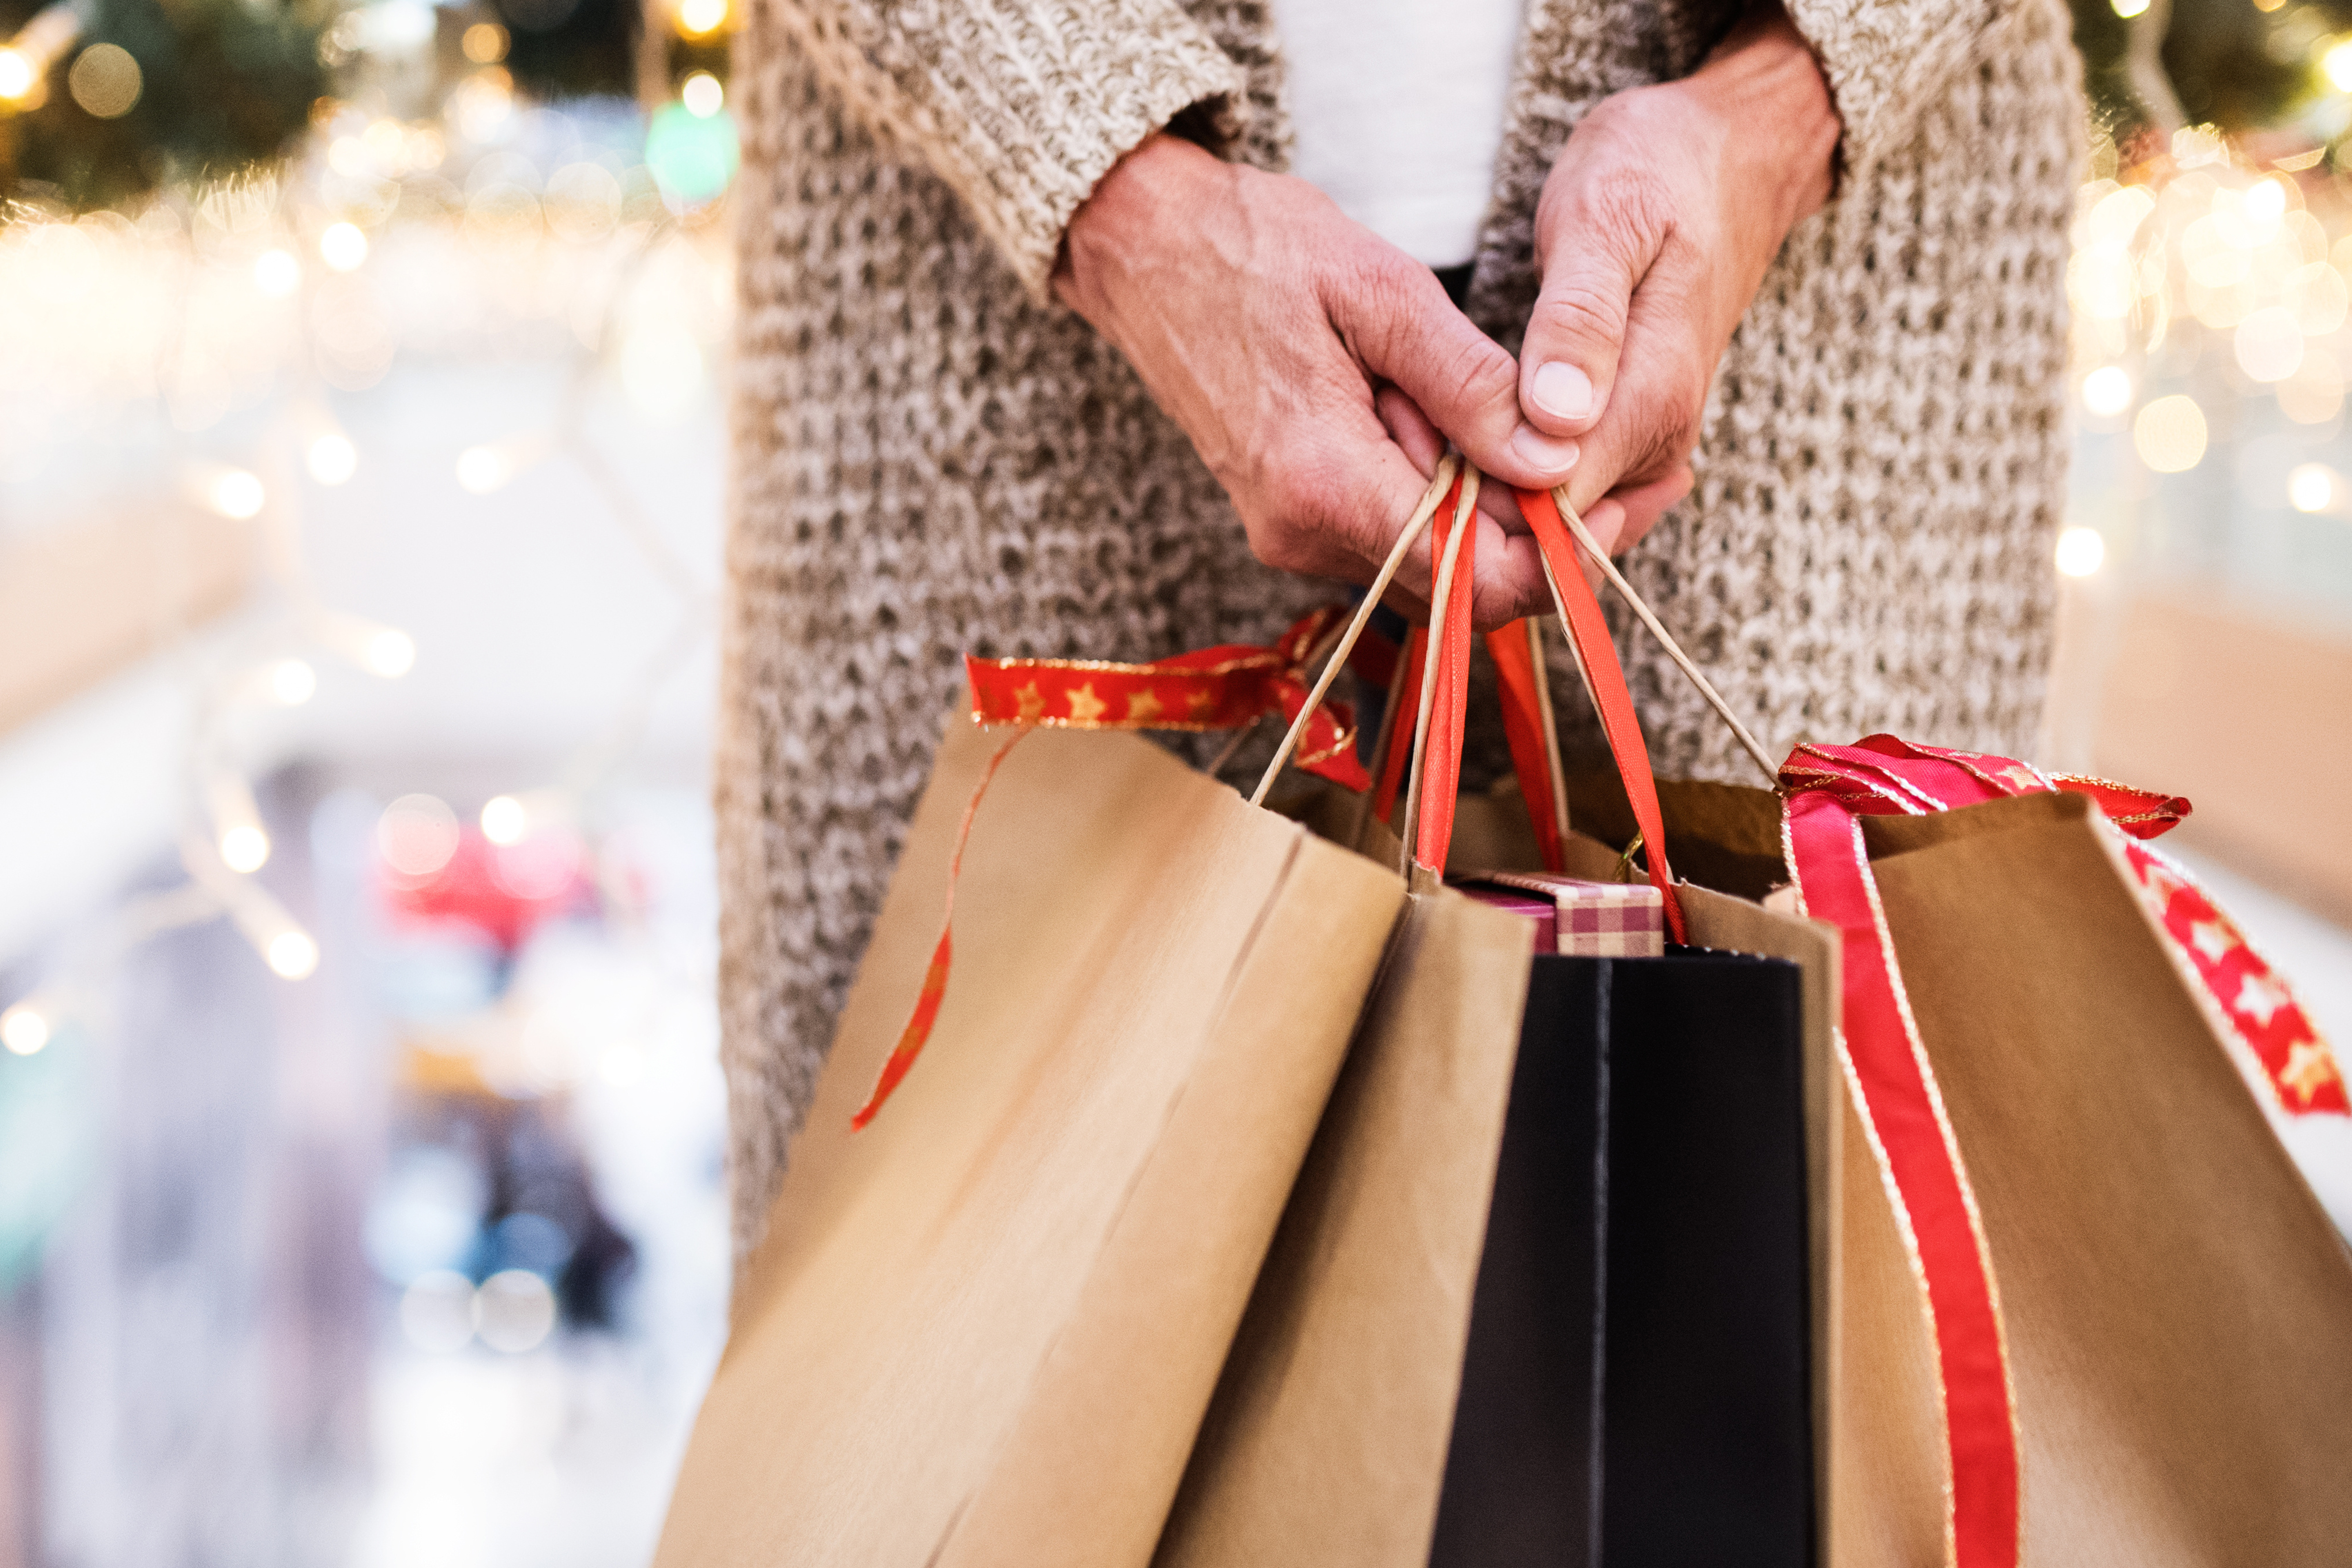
[2237,65]
[101,100]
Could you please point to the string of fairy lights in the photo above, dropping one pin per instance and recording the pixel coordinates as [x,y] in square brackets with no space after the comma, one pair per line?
[311,245]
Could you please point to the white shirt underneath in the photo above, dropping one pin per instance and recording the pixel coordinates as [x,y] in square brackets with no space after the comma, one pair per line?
[1397,109]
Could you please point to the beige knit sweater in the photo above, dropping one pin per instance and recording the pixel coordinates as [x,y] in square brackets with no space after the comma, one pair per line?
[931,457]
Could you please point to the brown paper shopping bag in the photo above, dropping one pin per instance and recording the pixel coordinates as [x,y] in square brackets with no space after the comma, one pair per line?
[983,1328]
[2174,1306]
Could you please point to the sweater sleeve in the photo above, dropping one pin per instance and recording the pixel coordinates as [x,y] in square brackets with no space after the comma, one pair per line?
[1885,60]
[1020,105]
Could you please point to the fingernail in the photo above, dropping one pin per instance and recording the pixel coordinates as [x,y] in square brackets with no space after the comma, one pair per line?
[1562,391]
[1553,455]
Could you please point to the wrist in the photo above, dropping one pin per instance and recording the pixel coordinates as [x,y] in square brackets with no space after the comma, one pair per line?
[1164,177]
[1776,121]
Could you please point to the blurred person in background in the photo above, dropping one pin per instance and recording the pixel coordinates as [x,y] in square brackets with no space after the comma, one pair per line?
[1042,352]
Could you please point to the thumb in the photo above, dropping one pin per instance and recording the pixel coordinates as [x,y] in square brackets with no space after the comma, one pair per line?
[1568,362]
[1404,331]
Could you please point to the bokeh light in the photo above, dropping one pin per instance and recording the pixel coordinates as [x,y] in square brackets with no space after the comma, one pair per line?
[417,835]
[292,955]
[2081,551]
[2338,64]
[332,458]
[24,1029]
[2170,434]
[2312,488]
[245,847]
[2107,390]
[514,1310]
[504,820]
[702,95]
[2268,344]
[343,247]
[105,81]
[235,493]
[16,75]
[292,682]
[484,43]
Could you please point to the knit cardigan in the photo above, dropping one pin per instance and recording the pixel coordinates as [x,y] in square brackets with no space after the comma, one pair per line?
[932,457]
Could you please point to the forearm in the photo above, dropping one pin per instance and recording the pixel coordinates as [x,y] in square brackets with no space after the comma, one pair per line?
[1020,105]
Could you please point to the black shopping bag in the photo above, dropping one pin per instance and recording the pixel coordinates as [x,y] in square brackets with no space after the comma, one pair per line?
[1636,1387]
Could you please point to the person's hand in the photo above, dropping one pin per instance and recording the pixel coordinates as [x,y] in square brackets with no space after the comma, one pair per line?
[1655,226]
[1297,350]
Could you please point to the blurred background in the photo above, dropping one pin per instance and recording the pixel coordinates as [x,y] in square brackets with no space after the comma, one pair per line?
[361,467]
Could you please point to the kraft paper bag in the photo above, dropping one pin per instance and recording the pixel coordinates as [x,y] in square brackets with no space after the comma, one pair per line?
[983,1331]
[2176,1305]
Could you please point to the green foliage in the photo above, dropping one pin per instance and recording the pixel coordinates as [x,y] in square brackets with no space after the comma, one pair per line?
[225,83]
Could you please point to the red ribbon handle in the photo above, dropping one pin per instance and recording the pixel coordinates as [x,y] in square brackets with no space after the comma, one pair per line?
[1590,631]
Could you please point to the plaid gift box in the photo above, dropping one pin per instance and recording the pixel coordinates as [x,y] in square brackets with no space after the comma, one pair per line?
[1589,920]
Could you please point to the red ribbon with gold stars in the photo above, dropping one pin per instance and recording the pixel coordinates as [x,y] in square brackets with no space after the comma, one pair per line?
[1215,688]
[1827,790]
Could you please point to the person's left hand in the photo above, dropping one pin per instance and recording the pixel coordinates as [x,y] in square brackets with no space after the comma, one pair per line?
[1655,226]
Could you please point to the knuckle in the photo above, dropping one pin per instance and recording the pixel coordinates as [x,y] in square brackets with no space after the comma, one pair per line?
[1579,311]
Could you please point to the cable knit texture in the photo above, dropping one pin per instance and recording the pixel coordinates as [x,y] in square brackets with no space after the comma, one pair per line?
[931,457]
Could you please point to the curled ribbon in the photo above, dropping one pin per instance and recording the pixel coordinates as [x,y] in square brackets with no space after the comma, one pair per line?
[1215,688]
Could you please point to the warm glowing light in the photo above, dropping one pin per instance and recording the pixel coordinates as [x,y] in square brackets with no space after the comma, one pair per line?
[2269,344]
[484,43]
[343,246]
[105,81]
[244,848]
[702,95]
[2101,283]
[277,273]
[2338,64]
[2107,390]
[16,75]
[696,18]
[389,654]
[292,681]
[2081,551]
[2312,487]
[504,820]
[332,458]
[482,469]
[24,1029]
[417,835]
[2127,9]
[2170,434]
[291,954]
[2266,201]
[235,493]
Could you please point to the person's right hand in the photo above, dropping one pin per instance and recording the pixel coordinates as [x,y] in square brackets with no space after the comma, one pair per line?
[1312,363]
